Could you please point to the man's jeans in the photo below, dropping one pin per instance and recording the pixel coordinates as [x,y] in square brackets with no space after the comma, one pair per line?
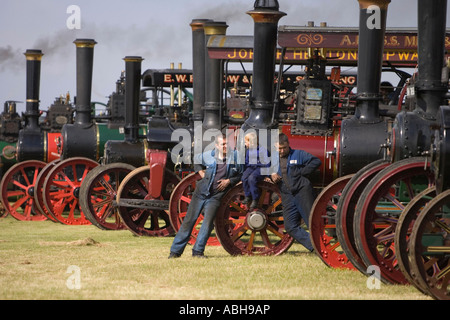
[296,207]
[209,205]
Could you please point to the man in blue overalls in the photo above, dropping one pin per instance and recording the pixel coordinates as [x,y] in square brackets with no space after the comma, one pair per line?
[297,193]
[221,173]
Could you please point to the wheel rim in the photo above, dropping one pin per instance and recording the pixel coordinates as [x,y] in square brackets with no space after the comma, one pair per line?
[346,210]
[377,214]
[38,195]
[322,224]
[179,202]
[430,247]
[98,195]
[259,232]
[144,222]
[61,190]
[403,232]
[18,187]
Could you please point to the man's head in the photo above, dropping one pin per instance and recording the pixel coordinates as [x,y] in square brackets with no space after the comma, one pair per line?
[221,145]
[283,145]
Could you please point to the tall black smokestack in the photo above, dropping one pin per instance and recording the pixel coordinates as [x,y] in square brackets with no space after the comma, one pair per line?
[213,78]
[363,134]
[85,60]
[198,67]
[266,15]
[372,27]
[132,95]
[31,142]
[80,138]
[430,89]
[131,150]
[33,84]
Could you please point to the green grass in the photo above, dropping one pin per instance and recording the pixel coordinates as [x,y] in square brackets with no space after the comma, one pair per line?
[35,257]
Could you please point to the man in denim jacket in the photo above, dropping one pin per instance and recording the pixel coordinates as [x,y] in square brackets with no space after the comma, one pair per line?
[297,194]
[221,173]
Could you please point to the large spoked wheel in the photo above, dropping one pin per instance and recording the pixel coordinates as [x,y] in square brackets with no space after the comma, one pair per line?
[322,225]
[17,190]
[38,195]
[142,221]
[430,247]
[98,195]
[378,210]
[257,232]
[403,233]
[61,190]
[179,203]
[345,211]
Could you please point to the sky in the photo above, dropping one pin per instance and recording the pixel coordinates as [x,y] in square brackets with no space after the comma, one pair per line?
[157,30]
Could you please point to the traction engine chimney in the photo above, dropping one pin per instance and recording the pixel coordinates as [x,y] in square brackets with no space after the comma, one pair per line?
[31,140]
[266,15]
[131,150]
[213,79]
[80,138]
[363,134]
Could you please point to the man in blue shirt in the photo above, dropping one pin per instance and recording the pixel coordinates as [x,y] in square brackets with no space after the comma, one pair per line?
[297,193]
[221,172]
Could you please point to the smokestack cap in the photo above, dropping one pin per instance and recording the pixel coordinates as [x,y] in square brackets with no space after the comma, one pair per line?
[267,4]
[215,28]
[197,24]
[85,43]
[33,54]
[133,59]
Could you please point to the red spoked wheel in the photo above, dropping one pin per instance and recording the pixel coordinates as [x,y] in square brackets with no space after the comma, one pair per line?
[38,195]
[98,195]
[345,211]
[143,221]
[18,188]
[378,210]
[403,233]
[61,190]
[257,232]
[322,225]
[430,247]
[179,202]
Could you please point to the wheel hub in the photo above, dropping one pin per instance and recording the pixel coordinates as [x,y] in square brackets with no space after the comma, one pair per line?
[256,220]
[30,191]
[76,192]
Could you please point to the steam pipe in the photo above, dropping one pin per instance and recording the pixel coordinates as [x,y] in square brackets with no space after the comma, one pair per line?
[372,27]
[431,50]
[266,15]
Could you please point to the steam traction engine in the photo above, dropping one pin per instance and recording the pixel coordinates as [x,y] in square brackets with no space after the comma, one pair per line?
[26,187]
[34,147]
[82,144]
[366,218]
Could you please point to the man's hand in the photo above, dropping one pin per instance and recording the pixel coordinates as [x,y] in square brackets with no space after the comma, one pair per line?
[275,177]
[201,173]
[223,183]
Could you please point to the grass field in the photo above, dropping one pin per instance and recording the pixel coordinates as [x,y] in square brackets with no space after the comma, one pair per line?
[49,261]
